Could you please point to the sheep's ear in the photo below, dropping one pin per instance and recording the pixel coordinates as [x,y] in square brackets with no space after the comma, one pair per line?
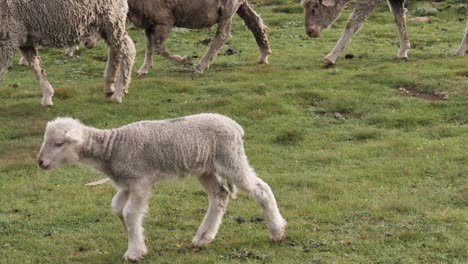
[74,135]
[328,3]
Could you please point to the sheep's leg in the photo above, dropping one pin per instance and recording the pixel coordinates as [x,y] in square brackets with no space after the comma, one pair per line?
[222,34]
[121,56]
[118,204]
[133,213]
[7,53]
[245,178]
[148,63]
[110,72]
[30,55]
[69,52]
[464,45]
[161,33]
[360,14]
[398,10]
[127,54]
[218,198]
[253,21]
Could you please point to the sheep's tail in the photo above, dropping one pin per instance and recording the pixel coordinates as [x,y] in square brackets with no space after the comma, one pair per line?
[232,189]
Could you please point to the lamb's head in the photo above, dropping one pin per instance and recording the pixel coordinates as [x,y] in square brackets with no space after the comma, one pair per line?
[63,139]
[320,14]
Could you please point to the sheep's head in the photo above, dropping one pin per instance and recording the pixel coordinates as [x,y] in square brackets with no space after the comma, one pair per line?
[63,138]
[320,14]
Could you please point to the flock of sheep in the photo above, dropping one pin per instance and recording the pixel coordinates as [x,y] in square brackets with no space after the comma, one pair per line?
[139,154]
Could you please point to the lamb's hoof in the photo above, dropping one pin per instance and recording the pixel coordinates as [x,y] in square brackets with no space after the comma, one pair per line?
[279,235]
[403,58]
[199,243]
[134,255]
[109,94]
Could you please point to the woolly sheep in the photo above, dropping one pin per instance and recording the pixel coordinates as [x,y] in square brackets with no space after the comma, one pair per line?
[464,45]
[158,17]
[137,155]
[320,14]
[63,23]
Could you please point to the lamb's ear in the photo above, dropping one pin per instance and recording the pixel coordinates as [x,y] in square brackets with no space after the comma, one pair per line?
[74,135]
[328,3]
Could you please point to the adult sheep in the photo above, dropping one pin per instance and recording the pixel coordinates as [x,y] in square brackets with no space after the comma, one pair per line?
[464,45]
[158,17]
[63,23]
[320,14]
[139,154]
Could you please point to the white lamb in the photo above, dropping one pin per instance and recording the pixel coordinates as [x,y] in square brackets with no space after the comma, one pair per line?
[137,155]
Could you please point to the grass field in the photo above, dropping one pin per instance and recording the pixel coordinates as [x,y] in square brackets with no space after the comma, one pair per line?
[363,172]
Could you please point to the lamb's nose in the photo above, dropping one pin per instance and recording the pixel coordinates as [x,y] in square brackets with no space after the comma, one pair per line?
[313,33]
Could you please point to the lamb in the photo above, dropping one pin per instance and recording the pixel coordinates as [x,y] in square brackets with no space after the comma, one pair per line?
[464,45]
[320,14]
[137,155]
[158,17]
[63,23]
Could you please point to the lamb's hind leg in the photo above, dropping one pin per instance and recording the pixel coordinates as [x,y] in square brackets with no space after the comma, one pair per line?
[133,213]
[30,55]
[398,10]
[218,198]
[253,21]
[356,21]
[118,204]
[464,45]
[222,34]
[241,174]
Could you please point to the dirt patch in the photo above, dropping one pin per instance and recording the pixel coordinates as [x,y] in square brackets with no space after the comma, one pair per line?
[430,96]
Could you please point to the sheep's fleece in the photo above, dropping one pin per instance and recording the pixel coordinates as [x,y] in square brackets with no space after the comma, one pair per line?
[63,23]
[137,155]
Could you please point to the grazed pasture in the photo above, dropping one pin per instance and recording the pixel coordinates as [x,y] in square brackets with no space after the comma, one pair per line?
[368,159]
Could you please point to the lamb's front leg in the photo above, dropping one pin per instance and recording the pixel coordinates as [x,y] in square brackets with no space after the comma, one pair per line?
[464,45]
[30,55]
[398,10]
[133,213]
[360,14]
[222,34]
[218,198]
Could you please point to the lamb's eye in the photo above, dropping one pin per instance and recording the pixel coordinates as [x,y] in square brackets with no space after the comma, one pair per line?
[59,144]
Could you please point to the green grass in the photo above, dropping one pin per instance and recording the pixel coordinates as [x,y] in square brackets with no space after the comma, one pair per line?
[384,183]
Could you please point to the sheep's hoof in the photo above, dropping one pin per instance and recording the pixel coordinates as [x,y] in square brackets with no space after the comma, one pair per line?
[116,99]
[328,62]
[142,72]
[47,102]
[186,60]
[403,58]
[109,94]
